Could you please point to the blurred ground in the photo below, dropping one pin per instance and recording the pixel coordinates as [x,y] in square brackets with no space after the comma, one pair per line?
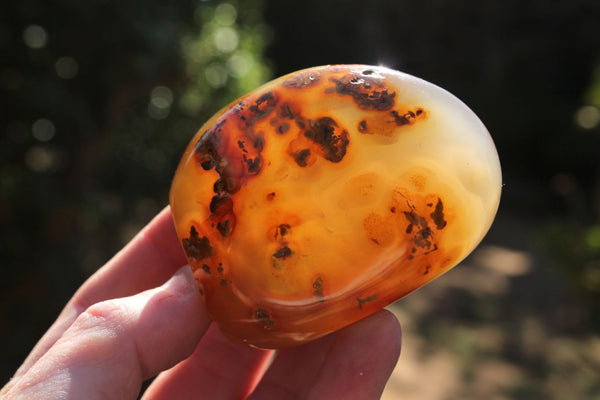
[502,325]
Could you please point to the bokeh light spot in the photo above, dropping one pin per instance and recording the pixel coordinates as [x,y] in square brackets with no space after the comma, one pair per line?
[225,14]
[66,67]
[587,117]
[43,129]
[226,39]
[162,96]
[35,36]
[41,159]
[239,65]
[216,75]
[161,99]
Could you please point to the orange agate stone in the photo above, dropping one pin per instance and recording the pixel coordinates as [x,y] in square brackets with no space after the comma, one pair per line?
[327,194]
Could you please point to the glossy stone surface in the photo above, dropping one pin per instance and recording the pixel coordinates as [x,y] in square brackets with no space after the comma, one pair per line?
[327,194]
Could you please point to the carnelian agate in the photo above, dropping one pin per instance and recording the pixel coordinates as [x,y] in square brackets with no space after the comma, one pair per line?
[327,194]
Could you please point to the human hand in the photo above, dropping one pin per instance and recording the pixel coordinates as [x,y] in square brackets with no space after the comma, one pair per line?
[120,329]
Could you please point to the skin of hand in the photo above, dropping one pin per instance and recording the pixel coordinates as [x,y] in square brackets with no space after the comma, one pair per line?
[125,324]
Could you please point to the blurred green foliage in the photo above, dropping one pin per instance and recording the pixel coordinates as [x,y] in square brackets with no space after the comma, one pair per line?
[98,101]
[573,239]
[576,251]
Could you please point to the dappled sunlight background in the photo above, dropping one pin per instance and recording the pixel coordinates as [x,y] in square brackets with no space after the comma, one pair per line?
[502,325]
[98,100]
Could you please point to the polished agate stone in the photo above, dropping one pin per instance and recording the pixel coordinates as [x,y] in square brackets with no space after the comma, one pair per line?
[327,194]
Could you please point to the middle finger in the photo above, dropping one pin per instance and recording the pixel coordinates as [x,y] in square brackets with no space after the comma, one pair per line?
[218,369]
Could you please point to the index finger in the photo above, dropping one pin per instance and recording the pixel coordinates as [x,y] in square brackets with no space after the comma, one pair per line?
[151,257]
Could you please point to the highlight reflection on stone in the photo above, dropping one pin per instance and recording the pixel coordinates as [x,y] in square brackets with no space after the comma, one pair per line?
[327,194]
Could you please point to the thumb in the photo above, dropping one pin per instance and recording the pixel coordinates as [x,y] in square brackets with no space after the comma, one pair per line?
[115,345]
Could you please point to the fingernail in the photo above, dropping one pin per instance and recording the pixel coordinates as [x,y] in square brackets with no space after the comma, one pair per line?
[182,281]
